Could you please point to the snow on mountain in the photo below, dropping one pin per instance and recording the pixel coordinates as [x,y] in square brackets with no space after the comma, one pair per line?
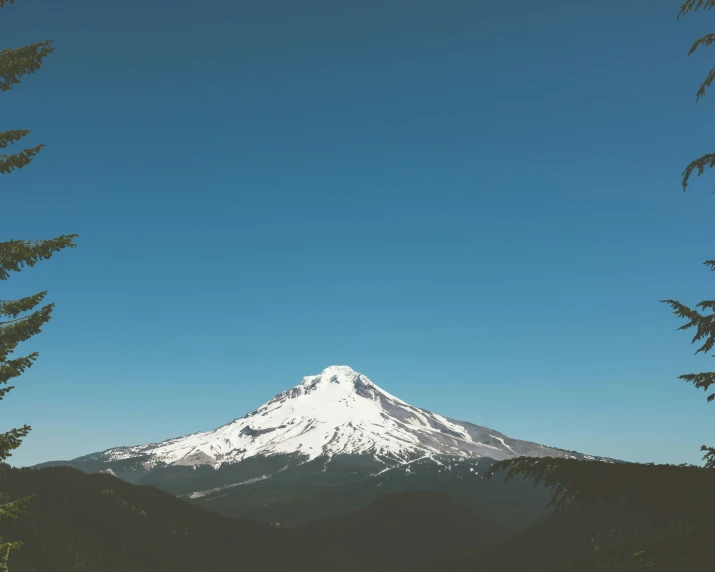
[339,411]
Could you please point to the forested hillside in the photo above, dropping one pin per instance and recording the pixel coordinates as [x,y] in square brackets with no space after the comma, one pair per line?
[98,523]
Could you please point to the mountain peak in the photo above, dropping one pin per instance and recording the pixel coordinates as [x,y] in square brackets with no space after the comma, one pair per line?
[334,383]
[338,411]
[339,370]
[334,374]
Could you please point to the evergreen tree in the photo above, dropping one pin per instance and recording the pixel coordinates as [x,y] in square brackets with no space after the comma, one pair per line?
[667,489]
[14,254]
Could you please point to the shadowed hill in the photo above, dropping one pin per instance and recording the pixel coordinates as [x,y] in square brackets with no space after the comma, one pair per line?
[314,490]
[98,523]
[404,528]
[83,522]
[602,538]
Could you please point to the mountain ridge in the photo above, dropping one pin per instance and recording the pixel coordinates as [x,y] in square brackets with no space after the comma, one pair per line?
[338,411]
[332,444]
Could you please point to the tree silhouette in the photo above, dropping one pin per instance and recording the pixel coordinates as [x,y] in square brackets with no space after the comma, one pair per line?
[667,489]
[15,254]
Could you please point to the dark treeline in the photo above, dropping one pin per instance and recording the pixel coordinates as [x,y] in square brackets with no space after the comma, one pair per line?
[98,523]
[606,538]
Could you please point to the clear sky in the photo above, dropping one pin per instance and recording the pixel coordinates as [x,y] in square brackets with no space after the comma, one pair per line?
[475,204]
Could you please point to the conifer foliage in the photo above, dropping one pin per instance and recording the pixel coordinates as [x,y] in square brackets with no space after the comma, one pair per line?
[14,255]
[709,159]
[667,489]
[704,325]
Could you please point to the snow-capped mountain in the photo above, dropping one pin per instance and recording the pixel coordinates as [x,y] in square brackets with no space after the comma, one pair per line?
[333,443]
[337,412]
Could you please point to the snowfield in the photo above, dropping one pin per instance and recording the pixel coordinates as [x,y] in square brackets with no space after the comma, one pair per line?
[338,411]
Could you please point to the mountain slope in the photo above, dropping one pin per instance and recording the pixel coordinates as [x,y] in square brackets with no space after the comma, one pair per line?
[333,443]
[338,412]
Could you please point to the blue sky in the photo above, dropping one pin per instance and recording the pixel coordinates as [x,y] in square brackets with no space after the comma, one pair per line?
[475,204]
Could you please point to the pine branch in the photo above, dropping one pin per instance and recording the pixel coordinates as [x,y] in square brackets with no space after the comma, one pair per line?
[10,511]
[683,311]
[14,333]
[12,440]
[705,40]
[705,324]
[4,2]
[13,308]
[15,367]
[692,5]
[15,508]
[704,379]
[706,329]
[17,62]
[11,136]
[709,457]
[699,164]
[5,549]
[547,470]
[5,390]
[668,490]
[13,321]
[708,80]
[9,163]
[15,254]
